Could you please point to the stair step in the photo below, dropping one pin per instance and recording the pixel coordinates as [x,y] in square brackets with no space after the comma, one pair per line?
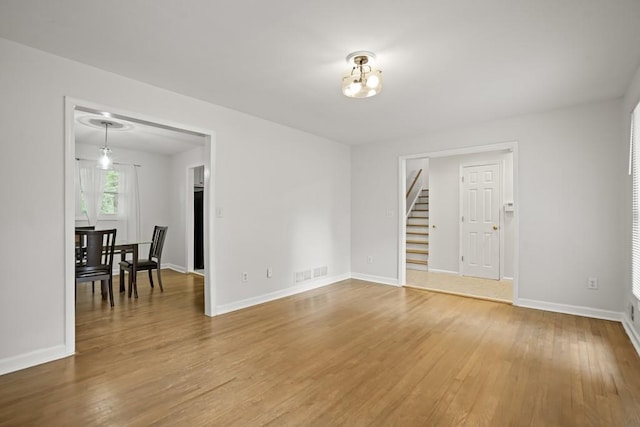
[416,261]
[417,233]
[417,251]
[421,203]
[418,242]
[420,210]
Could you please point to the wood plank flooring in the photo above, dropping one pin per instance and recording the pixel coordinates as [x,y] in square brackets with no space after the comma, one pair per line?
[353,353]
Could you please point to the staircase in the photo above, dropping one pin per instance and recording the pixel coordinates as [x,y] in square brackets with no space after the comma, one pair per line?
[418,233]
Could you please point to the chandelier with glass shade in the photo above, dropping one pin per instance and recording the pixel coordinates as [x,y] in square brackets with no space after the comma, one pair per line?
[362,80]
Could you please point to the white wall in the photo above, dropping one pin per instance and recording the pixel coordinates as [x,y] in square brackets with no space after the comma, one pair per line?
[631,99]
[444,209]
[286,194]
[569,176]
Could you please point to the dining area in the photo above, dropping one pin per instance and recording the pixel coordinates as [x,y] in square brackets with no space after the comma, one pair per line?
[98,250]
[130,185]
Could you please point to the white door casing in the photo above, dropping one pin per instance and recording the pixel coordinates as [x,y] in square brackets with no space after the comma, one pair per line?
[480,191]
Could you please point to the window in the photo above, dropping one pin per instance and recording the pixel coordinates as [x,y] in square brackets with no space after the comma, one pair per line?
[635,226]
[110,195]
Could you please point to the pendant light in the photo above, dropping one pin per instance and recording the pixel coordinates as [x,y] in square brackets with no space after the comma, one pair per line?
[105,162]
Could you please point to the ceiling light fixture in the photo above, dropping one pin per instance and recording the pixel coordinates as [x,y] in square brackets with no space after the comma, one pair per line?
[362,81]
[105,162]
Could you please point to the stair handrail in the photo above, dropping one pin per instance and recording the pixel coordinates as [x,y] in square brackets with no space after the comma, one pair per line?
[411,199]
[413,183]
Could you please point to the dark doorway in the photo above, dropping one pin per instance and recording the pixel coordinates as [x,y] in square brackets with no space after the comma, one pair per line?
[198,229]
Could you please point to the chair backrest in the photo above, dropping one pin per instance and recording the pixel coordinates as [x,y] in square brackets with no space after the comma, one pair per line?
[79,242]
[98,247]
[157,242]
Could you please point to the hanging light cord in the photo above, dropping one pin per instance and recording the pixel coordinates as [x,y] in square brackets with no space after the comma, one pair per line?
[106,129]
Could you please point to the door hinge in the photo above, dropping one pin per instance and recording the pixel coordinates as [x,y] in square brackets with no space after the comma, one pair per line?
[462,178]
[462,218]
[462,258]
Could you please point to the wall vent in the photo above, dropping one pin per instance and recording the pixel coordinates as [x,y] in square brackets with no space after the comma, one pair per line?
[320,271]
[301,276]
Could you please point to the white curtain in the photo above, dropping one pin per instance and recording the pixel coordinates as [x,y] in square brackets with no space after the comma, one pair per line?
[78,191]
[92,185]
[129,203]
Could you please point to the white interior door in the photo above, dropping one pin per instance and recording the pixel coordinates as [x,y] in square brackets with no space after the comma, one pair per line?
[480,230]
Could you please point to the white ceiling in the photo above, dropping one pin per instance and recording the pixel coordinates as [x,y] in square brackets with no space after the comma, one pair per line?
[445,63]
[133,136]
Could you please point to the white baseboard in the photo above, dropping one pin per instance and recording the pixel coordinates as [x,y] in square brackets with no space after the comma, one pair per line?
[38,357]
[392,281]
[569,309]
[313,284]
[174,267]
[179,269]
[507,278]
[631,332]
[435,270]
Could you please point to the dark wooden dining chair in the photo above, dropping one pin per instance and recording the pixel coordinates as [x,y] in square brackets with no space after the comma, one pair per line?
[153,262]
[81,248]
[97,262]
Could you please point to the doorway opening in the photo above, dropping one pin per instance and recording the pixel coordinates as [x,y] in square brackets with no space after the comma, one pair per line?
[461,219]
[195,220]
[206,154]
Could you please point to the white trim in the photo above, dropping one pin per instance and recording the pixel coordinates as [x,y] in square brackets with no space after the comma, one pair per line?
[507,278]
[376,279]
[69,231]
[210,291]
[631,332]
[33,358]
[402,226]
[174,267]
[435,270]
[576,310]
[261,299]
[474,149]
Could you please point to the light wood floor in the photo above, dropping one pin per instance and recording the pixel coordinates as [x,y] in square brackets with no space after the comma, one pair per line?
[494,290]
[353,353]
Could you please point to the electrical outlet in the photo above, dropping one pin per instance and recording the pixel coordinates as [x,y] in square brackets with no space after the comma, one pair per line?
[269,272]
[370,259]
[592,283]
[245,276]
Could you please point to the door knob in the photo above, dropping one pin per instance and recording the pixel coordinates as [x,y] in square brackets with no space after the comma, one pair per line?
[495,227]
